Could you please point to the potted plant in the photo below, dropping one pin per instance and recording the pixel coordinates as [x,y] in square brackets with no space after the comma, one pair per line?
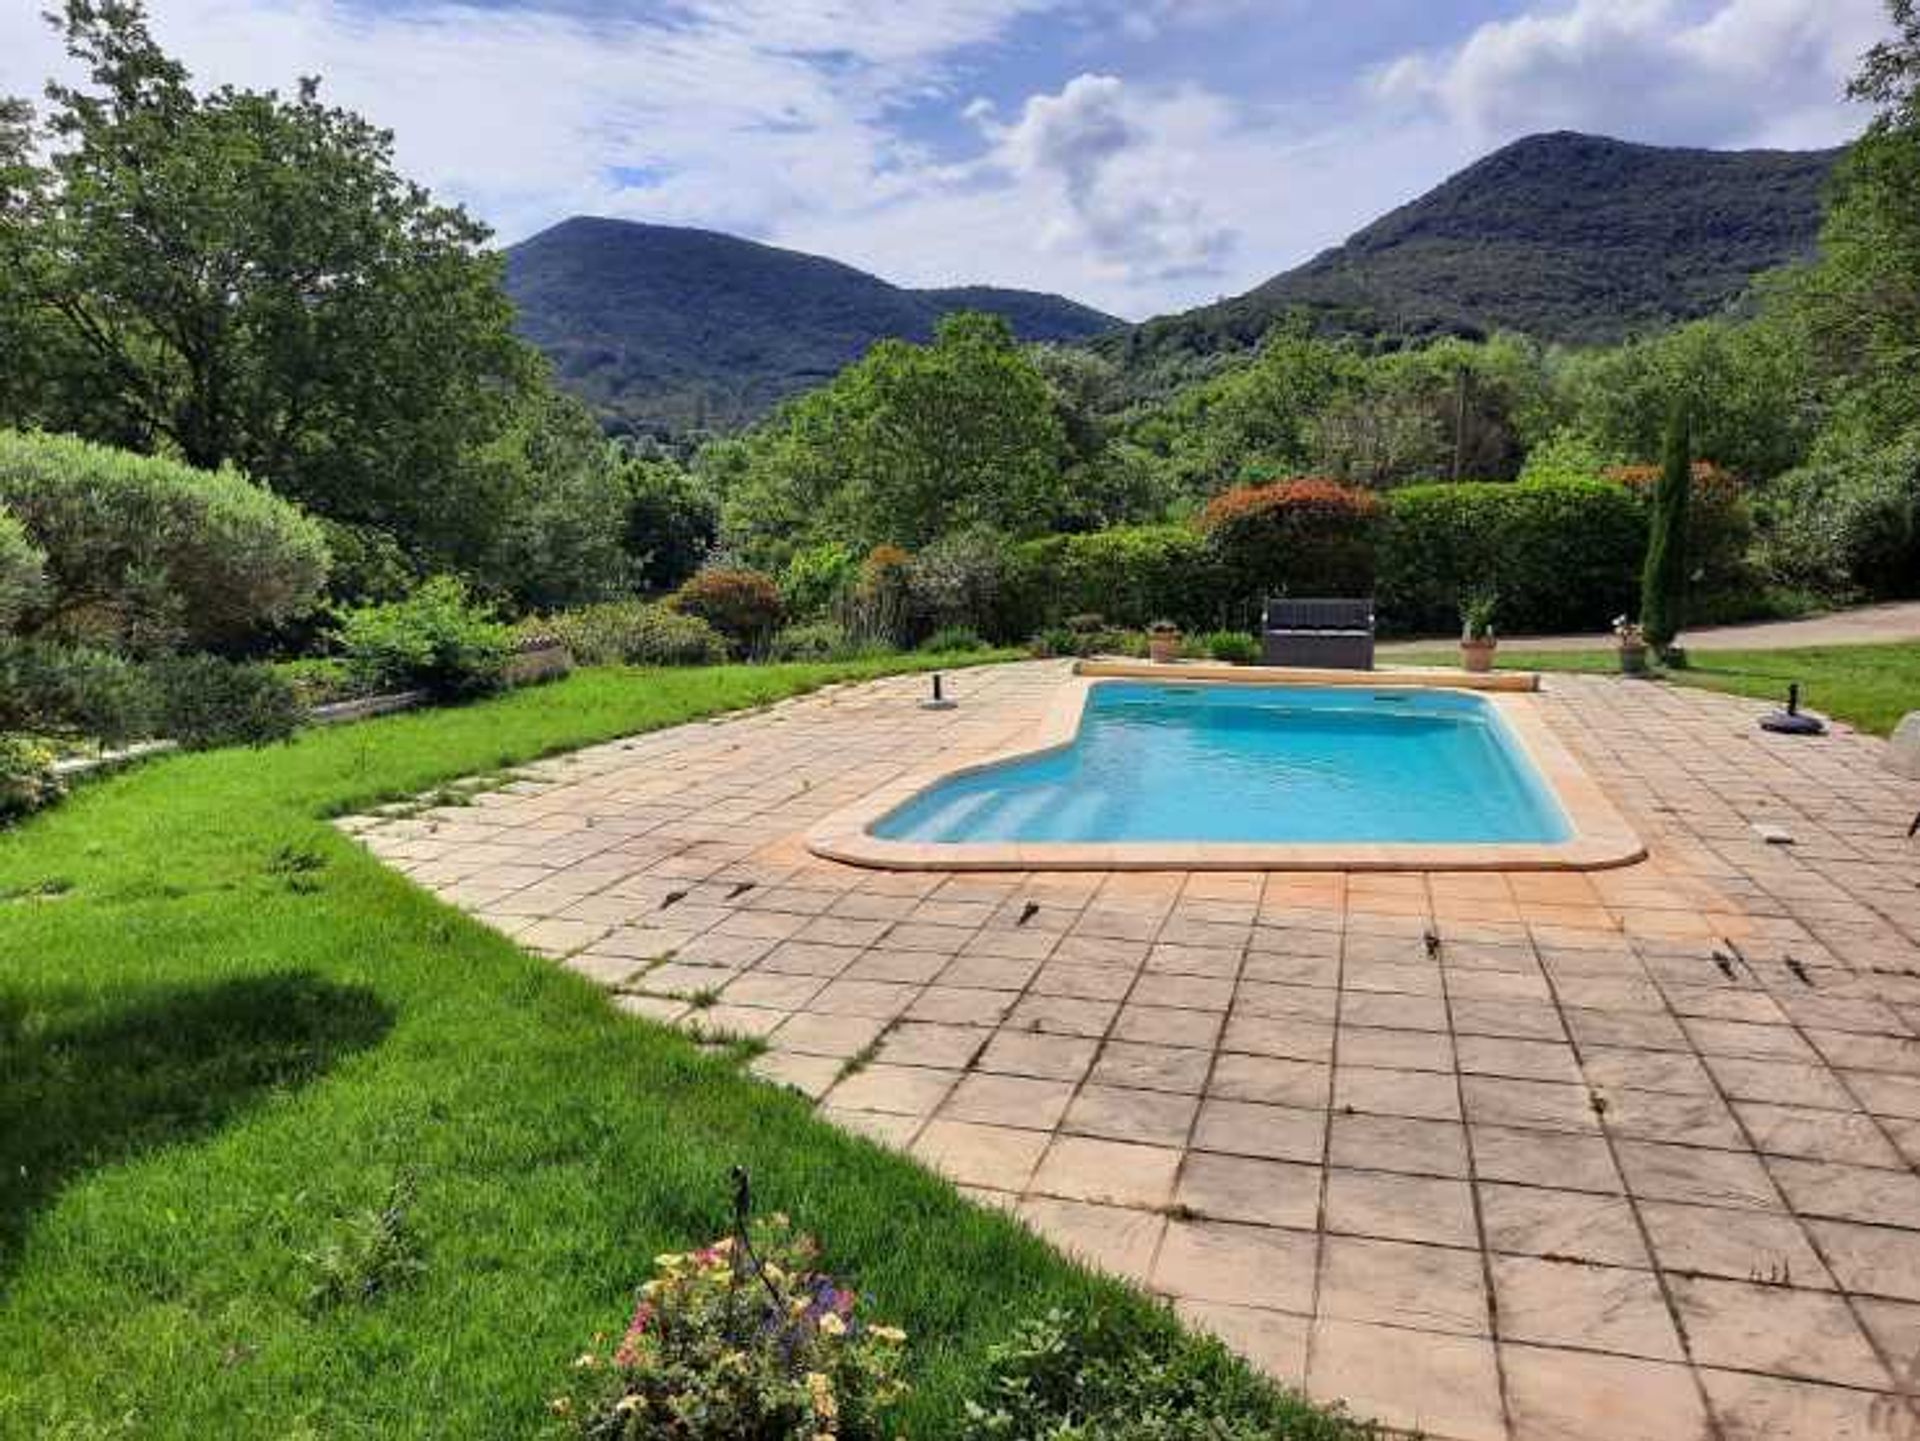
[1632,640]
[1163,642]
[1477,641]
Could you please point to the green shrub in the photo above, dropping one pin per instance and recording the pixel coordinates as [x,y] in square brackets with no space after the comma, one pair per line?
[148,555]
[743,605]
[1845,526]
[1563,554]
[436,640]
[1133,574]
[1232,647]
[1305,537]
[821,640]
[952,640]
[636,632]
[757,1346]
[816,578]
[23,571]
[672,522]
[74,691]
[27,779]
[205,701]
[959,581]
[1068,1376]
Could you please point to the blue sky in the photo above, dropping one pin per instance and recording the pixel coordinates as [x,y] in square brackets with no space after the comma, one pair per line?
[1141,155]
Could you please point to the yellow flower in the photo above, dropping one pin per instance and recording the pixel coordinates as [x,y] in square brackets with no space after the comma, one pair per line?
[560,1405]
[820,1390]
[627,1404]
[586,1361]
[887,1333]
[832,1325]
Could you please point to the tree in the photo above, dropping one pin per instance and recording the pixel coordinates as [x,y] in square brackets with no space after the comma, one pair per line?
[240,277]
[671,525]
[1663,583]
[910,443]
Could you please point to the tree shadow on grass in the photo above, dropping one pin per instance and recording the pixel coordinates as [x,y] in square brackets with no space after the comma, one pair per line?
[82,1088]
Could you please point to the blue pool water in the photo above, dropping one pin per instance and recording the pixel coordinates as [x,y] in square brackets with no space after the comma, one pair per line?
[1157,761]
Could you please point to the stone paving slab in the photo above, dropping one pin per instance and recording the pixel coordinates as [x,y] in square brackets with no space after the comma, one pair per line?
[1516,1156]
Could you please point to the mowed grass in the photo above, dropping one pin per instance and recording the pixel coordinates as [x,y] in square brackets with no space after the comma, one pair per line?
[225,1031]
[1869,686]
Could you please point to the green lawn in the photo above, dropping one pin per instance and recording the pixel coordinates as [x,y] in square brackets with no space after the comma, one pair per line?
[225,1031]
[1870,686]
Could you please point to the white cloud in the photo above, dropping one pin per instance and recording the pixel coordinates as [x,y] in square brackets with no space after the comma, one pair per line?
[1115,166]
[1748,72]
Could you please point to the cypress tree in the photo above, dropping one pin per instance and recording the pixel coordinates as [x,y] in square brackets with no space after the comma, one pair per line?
[1663,584]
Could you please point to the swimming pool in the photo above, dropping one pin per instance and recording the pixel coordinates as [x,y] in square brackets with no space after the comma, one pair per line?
[1253,764]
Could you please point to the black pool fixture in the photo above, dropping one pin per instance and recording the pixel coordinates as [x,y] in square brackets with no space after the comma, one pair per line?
[1793,721]
[939,700]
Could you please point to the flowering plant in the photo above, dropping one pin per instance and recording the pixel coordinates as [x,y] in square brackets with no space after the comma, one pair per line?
[740,1341]
[1628,633]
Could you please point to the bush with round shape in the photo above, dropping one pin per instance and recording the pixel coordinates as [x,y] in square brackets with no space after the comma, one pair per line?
[204,701]
[437,640]
[28,781]
[1231,647]
[743,605]
[146,555]
[635,632]
[959,580]
[1719,528]
[1302,537]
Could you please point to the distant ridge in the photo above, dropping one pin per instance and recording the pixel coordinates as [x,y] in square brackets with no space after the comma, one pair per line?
[1566,237]
[664,327]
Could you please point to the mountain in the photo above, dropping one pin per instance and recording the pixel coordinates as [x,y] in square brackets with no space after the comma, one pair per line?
[658,326]
[1566,237]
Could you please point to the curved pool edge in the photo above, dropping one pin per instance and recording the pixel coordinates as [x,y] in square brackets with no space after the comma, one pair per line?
[1601,840]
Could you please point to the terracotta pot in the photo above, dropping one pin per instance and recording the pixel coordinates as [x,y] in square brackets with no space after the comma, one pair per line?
[1633,660]
[1477,655]
[1163,647]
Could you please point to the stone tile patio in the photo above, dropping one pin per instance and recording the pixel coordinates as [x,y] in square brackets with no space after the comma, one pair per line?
[1610,1156]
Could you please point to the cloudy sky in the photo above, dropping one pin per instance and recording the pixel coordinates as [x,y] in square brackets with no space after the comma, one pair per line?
[1141,155]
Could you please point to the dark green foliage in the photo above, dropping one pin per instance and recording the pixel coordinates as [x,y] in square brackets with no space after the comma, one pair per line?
[1846,525]
[437,639]
[368,564]
[75,691]
[672,523]
[1663,581]
[634,632]
[143,554]
[960,580]
[1088,1376]
[203,701]
[659,327]
[1563,555]
[1563,237]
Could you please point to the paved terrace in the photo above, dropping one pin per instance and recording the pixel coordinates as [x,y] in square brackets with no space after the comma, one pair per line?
[1630,1156]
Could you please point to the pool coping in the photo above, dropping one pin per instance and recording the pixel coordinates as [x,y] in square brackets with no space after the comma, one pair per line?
[1602,839]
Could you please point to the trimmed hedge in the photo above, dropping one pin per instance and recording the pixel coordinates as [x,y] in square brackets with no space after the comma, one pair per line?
[148,555]
[1561,554]
[1302,537]
[1130,575]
